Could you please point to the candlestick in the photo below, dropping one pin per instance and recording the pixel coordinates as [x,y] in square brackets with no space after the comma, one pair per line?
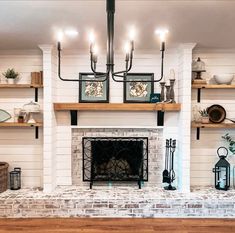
[59,46]
[91,47]
[162,97]
[168,98]
[132,45]
[162,47]
[127,57]
[172,93]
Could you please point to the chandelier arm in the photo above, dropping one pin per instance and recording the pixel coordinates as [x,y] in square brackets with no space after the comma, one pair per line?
[93,68]
[59,66]
[117,74]
[128,81]
[98,75]
[124,71]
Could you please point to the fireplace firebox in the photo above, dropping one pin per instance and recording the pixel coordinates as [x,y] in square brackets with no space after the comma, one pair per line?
[115,159]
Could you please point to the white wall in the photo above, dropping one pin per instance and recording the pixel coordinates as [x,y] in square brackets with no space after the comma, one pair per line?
[203,151]
[18,146]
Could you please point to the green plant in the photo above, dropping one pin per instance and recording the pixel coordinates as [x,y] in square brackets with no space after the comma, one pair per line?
[204,113]
[230,142]
[11,74]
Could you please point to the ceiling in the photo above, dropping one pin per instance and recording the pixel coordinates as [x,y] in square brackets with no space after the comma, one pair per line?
[210,24]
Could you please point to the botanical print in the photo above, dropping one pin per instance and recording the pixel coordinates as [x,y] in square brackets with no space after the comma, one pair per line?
[138,89]
[94,89]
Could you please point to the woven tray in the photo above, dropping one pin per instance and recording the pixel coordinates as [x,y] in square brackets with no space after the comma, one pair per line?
[3,176]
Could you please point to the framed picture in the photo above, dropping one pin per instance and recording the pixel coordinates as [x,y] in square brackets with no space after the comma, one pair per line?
[93,92]
[137,91]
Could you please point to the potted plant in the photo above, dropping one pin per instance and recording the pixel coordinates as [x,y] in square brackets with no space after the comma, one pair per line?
[11,75]
[204,116]
[230,141]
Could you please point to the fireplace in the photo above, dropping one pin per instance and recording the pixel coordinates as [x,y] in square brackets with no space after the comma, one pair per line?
[115,159]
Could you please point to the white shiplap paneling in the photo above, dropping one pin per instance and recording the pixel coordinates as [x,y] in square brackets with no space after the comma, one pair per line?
[203,152]
[18,146]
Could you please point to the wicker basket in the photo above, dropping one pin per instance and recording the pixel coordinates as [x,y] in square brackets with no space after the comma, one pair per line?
[3,176]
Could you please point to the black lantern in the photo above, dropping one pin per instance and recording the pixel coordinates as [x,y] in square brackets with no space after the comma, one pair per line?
[15,179]
[222,170]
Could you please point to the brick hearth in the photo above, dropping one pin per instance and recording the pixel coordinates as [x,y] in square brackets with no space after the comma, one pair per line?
[118,202]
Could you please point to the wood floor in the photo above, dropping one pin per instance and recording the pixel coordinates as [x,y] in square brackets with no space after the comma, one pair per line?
[95,225]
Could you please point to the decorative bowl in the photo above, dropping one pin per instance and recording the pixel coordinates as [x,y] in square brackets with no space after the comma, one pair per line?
[224,78]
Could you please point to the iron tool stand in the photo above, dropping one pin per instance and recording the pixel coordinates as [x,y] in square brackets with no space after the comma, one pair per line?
[169,176]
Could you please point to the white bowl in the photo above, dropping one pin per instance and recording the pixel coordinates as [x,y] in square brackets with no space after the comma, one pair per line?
[224,78]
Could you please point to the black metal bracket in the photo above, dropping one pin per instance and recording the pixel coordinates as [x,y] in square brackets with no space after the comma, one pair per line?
[199,95]
[74,117]
[36,94]
[198,133]
[36,132]
[160,118]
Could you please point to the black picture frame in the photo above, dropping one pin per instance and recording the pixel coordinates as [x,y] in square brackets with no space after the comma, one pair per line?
[83,98]
[135,76]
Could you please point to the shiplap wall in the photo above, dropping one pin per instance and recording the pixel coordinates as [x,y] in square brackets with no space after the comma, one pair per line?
[203,151]
[18,146]
[72,64]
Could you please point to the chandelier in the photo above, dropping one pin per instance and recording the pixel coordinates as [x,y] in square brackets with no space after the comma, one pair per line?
[117,76]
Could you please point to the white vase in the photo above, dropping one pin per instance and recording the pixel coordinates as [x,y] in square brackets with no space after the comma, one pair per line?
[205,120]
[10,80]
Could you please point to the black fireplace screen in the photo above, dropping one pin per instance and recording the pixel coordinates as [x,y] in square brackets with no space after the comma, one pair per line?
[115,159]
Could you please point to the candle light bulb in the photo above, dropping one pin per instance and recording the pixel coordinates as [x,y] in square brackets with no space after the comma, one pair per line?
[95,50]
[91,37]
[127,47]
[132,34]
[162,34]
[60,36]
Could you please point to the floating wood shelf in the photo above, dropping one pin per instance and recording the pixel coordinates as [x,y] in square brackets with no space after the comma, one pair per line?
[15,124]
[75,107]
[213,86]
[115,107]
[199,126]
[210,86]
[20,86]
[35,86]
[213,125]
[23,125]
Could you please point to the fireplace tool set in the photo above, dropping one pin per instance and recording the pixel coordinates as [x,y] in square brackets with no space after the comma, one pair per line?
[169,173]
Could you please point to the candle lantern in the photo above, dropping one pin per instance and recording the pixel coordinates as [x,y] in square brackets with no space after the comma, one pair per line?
[222,170]
[15,179]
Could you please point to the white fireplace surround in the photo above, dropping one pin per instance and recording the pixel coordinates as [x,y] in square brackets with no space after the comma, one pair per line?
[57,163]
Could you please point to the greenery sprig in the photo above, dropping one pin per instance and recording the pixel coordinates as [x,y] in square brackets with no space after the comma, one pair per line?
[230,142]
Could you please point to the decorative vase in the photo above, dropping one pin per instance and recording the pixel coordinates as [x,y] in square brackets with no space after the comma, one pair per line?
[10,80]
[205,120]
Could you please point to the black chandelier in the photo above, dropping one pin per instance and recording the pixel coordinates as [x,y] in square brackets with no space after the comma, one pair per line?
[119,76]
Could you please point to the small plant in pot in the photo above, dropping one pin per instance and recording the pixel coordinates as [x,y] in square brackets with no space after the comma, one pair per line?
[11,75]
[204,116]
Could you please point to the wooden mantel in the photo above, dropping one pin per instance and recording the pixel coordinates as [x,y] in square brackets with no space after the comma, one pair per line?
[116,107]
[160,108]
